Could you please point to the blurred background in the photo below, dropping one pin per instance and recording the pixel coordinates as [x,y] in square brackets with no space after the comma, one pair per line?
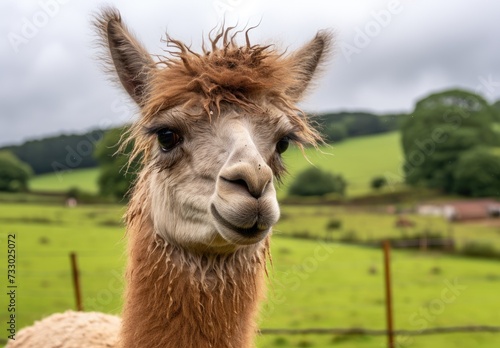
[409,106]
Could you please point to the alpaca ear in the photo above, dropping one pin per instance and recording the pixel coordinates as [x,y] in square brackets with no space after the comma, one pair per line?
[306,62]
[126,56]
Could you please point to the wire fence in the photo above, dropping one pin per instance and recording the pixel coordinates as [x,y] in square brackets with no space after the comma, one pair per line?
[382,332]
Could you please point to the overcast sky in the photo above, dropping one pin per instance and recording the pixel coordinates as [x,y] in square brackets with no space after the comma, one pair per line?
[388,54]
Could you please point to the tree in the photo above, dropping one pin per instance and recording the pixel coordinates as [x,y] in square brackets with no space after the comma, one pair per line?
[315,182]
[441,128]
[335,132]
[358,123]
[496,108]
[331,226]
[378,182]
[73,192]
[392,122]
[478,174]
[116,176]
[14,174]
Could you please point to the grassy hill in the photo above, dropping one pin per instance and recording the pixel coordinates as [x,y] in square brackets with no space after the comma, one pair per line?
[358,159]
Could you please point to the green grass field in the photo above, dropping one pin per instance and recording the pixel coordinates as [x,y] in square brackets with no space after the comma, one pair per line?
[313,284]
[375,223]
[357,159]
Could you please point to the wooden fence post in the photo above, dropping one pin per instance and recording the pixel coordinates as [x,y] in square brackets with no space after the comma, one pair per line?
[388,294]
[76,282]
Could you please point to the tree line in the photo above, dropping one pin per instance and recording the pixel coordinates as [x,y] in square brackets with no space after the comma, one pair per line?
[451,142]
[336,127]
[58,153]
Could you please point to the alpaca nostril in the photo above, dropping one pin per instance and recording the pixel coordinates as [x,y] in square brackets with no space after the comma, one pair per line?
[238,182]
[255,193]
[241,183]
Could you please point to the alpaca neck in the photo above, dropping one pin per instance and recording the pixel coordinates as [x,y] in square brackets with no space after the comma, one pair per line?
[178,299]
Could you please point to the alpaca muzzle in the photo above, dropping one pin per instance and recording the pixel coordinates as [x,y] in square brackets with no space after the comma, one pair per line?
[245,221]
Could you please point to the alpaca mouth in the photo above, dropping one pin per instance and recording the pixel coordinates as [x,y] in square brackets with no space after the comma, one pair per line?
[246,232]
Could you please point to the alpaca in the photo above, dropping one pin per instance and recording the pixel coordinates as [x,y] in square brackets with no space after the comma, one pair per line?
[212,129]
[71,329]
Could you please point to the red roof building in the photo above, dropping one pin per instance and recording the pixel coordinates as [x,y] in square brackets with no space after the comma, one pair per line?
[463,210]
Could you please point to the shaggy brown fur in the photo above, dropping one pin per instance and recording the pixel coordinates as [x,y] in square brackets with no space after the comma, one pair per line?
[238,75]
[225,74]
[176,298]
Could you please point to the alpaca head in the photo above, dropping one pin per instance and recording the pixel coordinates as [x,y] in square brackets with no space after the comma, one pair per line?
[212,129]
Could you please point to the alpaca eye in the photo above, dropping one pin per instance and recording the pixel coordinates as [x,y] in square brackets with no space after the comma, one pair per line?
[282,145]
[168,139]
